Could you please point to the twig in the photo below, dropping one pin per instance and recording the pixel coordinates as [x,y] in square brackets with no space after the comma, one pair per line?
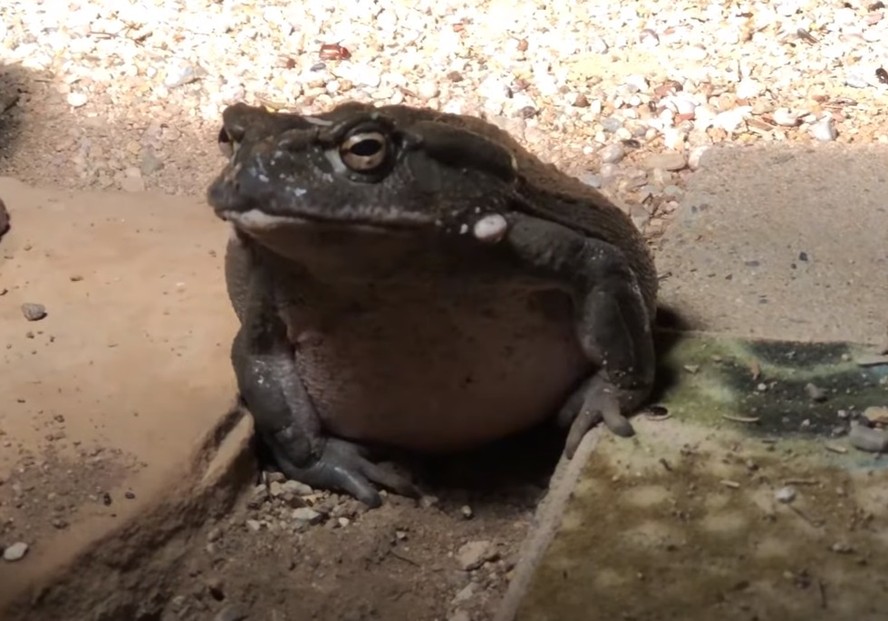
[406,559]
[742,419]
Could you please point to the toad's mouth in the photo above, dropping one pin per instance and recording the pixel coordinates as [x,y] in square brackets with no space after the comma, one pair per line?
[256,221]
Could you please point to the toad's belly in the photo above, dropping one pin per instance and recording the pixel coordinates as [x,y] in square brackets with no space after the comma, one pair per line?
[431,375]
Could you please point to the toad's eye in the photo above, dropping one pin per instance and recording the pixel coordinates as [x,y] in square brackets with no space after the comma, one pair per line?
[227,145]
[364,151]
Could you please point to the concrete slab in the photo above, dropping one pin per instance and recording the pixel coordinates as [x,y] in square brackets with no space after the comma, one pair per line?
[117,404]
[745,503]
[768,243]
[783,243]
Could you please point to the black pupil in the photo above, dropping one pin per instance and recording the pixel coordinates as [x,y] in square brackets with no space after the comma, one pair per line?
[366,147]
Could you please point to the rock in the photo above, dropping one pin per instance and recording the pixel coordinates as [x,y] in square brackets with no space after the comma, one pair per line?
[815,393]
[466,512]
[306,514]
[296,487]
[666,161]
[591,179]
[747,89]
[275,489]
[612,153]
[841,547]
[254,525]
[181,73]
[232,613]
[473,554]
[866,439]
[459,615]
[876,414]
[785,118]
[132,181]
[15,552]
[257,496]
[33,311]
[427,89]
[824,130]
[785,494]
[464,594]
[75,100]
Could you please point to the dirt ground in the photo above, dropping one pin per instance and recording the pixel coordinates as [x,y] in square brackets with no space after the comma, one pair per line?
[288,553]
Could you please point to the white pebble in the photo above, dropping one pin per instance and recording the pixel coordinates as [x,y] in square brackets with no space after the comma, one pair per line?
[824,130]
[490,228]
[785,494]
[15,552]
[785,118]
[695,155]
[730,120]
[612,153]
[747,89]
[75,100]
[427,89]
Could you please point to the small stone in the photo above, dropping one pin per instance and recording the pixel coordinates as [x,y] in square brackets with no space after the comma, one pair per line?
[815,393]
[296,487]
[306,514]
[181,73]
[785,494]
[15,552]
[429,501]
[254,525]
[695,155]
[841,547]
[591,179]
[75,99]
[231,613]
[612,153]
[474,554]
[133,183]
[275,489]
[214,534]
[33,311]
[258,495]
[666,161]
[824,130]
[464,593]
[427,90]
[466,511]
[747,89]
[490,229]
[459,615]
[876,414]
[785,118]
[150,163]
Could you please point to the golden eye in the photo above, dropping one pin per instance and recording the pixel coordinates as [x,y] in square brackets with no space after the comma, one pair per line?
[364,152]
[227,145]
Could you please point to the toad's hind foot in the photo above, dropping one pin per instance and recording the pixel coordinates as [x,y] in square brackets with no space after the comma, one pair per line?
[344,466]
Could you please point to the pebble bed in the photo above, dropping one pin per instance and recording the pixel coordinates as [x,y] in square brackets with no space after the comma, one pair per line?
[625,97]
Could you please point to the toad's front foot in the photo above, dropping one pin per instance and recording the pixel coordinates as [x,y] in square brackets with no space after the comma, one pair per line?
[344,466]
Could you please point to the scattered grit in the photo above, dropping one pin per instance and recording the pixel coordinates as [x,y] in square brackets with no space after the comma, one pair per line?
[103,95]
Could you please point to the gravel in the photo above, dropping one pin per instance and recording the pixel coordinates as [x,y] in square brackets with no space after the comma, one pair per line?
[15,552]
[137,89]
